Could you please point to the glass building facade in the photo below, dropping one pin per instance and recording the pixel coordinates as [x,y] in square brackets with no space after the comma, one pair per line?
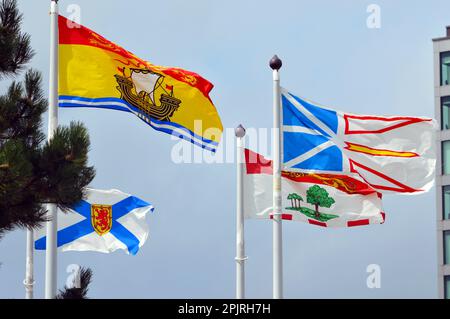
[445,68]
[446,202]
[441,53]
[445,112]
[447,287]
[447,247]
[445,157]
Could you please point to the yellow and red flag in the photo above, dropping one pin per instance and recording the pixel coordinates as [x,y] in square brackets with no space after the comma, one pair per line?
[95,72]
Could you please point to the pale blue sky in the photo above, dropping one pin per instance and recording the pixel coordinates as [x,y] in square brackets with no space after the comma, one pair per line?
[330,56]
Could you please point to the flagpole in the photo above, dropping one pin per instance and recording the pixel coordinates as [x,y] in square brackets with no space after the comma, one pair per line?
[240,240]
[29,280]
[275,64]
[51,244]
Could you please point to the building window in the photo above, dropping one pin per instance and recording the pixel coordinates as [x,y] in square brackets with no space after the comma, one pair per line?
[447,287]
[446,202]
[447,247]
[445,68]
[445,112]
[446,157]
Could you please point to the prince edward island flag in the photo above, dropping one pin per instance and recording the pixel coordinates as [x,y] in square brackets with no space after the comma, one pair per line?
[392,154]
[106,221]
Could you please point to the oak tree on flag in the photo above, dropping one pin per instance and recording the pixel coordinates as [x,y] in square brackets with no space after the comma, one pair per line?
[295,200]
[319,197]
[291,198]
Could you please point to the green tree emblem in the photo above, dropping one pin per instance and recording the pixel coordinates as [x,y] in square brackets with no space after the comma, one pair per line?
[319,197]
[295,200]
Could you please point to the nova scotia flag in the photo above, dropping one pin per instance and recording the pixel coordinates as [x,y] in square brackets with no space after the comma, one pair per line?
[106,221]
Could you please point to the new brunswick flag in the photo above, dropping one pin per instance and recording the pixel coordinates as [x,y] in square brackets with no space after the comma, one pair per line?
[95,72]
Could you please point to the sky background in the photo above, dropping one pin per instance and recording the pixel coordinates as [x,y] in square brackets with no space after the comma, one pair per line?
[329,56]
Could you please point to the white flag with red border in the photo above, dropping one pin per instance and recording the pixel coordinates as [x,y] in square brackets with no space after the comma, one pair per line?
[328,200]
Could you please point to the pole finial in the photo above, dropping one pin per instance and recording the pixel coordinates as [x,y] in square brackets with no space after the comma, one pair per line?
[239,131]
[275,63]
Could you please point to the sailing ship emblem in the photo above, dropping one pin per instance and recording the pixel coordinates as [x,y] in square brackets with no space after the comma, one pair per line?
[139,90]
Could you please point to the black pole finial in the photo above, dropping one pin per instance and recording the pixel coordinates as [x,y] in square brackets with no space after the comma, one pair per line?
[275,63]
[239,131]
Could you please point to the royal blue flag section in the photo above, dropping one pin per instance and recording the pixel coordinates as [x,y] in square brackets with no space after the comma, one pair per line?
[309,133]
[106,221]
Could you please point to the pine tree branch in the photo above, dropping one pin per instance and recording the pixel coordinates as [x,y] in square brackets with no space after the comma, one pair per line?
[78,292]
[15,49]
[33,172]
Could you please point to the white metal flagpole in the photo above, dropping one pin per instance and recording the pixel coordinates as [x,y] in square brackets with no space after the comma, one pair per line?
[29,280]
[275,64]
[240,244]
[51,243]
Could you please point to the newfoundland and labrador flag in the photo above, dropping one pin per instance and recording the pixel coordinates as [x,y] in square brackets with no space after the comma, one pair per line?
[95,72]
[327,200]
[106,221]
[394,154]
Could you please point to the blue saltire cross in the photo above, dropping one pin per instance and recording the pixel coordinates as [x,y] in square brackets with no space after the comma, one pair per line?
[85,227]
